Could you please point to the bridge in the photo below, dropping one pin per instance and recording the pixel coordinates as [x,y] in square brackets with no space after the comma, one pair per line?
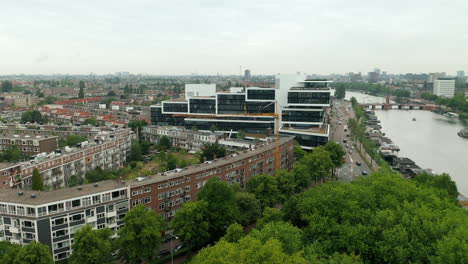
[396,106]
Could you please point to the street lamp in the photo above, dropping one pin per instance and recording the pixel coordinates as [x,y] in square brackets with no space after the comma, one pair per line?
[172,247]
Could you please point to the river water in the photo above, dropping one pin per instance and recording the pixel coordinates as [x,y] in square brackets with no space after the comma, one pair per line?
[431,141]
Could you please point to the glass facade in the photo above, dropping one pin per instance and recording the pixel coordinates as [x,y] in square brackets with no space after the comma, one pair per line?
[175,107]
[261,94]
[302,116]
[202,106]
[308,98]
[309,140]
[160,119]
[247,127]
[231,103]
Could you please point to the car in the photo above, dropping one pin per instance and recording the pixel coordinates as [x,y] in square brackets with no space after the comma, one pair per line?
[358,163]
[364,173]
[347,145]
[170,237]
[164,253]
[179,247]
[339,123]
[350,152]
[344,140]
[347,135]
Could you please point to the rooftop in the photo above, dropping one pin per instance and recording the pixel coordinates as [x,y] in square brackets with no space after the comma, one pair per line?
[317,130]
[27,137]
[12,195]
[4,165]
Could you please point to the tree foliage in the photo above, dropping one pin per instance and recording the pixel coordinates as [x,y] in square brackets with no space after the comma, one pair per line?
[90,121]
[340,92]
[135,153]
[164,143]
[92,246]
[37,183]
[140,237]
[33,116]
[191,224]
[249,207]
[71,140]
[234,232]
[265,189]
[11,154]
[7,86]
[213,151]
[222,210]
[289,235]
[98,174]
[33,253]
[81,92]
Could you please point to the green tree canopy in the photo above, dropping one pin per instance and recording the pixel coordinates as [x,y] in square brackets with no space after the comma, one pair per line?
[249,207]
[33,253]
[222,210]
[12,153]
[98,174]
[37,183]
[191,224]
[135,153]
[212,151]
[234,232]
[140,237]
[265,189]
[71,140]
[81,92]
[340,92]
[289,235]
[90,121]
[164,143]
[92,246]
[33,116]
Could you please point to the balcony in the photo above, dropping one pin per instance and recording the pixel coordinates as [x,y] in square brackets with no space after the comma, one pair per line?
[111,214]
[91,219]
[14,230]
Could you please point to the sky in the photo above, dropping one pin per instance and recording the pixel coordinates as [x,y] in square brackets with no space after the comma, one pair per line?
[216,36]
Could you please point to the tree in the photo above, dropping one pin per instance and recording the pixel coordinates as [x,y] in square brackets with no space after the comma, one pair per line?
[191,225]
[140,237]
[289,235]
[71,140]
[265,189]
[212,151]
[222,210]
[318,163]
[171,162]
[137,126]
[98,174]
[37,181]
[81,92]
[33,253]
[92,246]
[90,121]
[286,184]
[247,251]
[135,152]
[8,251]
[164,143]
[111,93]
[340,92]
[7,86]
[270,215]
[33,116]
[336,154]
[11,154]
[234,232]
[240,135]
[442,182]
[249,207]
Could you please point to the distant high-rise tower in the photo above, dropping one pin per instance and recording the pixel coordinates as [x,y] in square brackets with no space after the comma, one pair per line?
[444,87]
[460,74]
[247,74]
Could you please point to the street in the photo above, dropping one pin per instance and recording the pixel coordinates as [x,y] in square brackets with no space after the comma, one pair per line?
[341,111]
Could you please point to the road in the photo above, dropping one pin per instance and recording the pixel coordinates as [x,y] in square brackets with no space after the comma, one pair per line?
[341,111]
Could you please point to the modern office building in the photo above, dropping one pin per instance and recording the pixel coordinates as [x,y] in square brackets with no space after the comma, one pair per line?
[247,75]
[444,87]
[300,103]
[460,74]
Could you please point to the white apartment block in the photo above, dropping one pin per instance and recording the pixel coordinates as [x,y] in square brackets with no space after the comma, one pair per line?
[444,87]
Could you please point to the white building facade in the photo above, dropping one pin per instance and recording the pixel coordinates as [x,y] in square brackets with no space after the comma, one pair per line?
[444,87]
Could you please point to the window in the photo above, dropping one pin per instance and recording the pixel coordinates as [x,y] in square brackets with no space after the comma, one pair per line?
[101,226]
[161,196]
[76,203]
[61,244]
[161,206]
[147,200]
[147,189]
[28,224]
[60,233]
[101,215]
[29,236]
[76,217]
[59,221]
[110,208]
[136,202]
[89,213]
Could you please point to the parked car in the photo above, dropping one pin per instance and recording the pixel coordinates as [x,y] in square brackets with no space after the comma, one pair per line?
[179,247]
[358,163]
[364,173]
[164,253]
[350,152]
[347,145]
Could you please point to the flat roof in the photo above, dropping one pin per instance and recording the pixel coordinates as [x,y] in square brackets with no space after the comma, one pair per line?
[26,137]
[11,195]
[4,165]
[160,177]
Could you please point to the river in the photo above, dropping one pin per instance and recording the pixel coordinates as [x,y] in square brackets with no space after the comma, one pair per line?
[431,141]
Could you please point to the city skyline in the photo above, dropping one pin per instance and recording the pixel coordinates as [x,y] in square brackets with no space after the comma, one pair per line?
[210,37]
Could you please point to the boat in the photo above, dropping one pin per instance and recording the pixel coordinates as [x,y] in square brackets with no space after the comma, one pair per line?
[414,119]
[451,114]
[463,133]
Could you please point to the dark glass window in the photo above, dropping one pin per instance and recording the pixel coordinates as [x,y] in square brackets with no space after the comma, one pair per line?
[308,98]
[203,106]
[261,94]
[309,140]
[231,104]
[302,116]
[175,107]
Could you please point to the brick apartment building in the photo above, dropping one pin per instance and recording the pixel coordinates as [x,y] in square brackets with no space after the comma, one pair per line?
[29,145]
[53,217]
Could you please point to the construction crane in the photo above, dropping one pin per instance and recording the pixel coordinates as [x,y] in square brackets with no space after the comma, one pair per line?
[276,116]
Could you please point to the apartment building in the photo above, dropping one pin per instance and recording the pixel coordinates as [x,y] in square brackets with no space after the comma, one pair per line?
[53,130]
[300,102]
[181,137]
[166,192]
[106,150]
[29,145]
[52,218]
[444,87]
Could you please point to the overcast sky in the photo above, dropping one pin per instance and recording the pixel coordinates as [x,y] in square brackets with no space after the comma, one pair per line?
[211,36]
